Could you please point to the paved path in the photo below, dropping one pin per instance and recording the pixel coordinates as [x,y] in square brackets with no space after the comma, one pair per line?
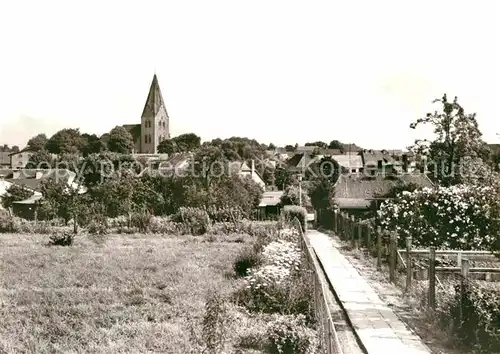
[376,325]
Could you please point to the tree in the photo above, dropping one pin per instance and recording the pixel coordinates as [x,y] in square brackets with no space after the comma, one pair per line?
[63,200]
[15,193]
[40,159]
[15,148]
[271,146]
[457,138]
[290,148]
[293,196]
[92,144]
[37,142]
[209,163]
[282,177]
[187,142]
[319,144]
[65,141]
[335,144]
[104,140]
[167,146]
[120,140]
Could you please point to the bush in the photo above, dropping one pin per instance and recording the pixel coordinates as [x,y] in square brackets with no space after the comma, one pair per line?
[479,327]
[162,225]
[457,217]
[293,211]
[225,214]
[196,219]
[97,227]
[141,220]
[289,334]
[246,259]
[6,223]
[119,221]
[61,239]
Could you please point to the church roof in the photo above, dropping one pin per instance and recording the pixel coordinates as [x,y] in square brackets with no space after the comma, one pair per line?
[154,100]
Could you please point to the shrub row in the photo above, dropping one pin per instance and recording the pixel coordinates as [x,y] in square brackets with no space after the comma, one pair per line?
[277,282]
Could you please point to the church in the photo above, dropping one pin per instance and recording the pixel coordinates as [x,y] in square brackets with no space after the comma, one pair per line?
[154,126]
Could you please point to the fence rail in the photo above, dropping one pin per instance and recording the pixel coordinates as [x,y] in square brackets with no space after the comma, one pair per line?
[328,335]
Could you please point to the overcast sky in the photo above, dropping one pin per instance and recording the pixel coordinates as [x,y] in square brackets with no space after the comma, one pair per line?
[277,71]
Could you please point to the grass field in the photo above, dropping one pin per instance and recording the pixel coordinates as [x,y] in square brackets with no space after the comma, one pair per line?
[131,294]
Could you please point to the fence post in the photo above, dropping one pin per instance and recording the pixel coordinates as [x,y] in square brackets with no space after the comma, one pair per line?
[459,259]
[392,256]
[464,272]
[379,247]
[432,278]
[408,264]
[353,232]
[369,238]
[360,235]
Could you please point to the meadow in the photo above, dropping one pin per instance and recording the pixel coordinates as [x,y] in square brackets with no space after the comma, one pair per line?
[129,293]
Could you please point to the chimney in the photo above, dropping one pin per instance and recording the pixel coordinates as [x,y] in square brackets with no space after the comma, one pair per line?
[16,174]
[405,163]
[38,174]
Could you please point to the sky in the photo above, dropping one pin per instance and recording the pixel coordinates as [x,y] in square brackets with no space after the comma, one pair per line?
[277,71]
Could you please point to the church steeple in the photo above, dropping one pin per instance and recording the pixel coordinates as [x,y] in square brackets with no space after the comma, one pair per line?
[154,120]
[154,100]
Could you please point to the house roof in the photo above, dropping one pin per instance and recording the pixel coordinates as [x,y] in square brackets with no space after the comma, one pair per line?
[175,161]
[373,156]
[352,148]
[349,161]
[154,102]
[27,149]
[309,148]
[352,203]
[134,130]
[27,177]
[330,152]
[302,159]
[354,187]
[271,198]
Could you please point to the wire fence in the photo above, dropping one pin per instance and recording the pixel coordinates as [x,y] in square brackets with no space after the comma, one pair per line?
[329,341]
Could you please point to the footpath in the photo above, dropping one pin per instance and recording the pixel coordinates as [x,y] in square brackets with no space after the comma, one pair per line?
[376,325]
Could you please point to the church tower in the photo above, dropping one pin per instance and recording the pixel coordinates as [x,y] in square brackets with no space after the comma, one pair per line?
[154,120]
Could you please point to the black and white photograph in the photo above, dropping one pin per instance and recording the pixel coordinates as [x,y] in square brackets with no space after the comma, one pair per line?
[262,177]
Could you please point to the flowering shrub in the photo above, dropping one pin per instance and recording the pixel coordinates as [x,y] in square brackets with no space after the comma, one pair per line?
[283,254]
[457,217]
[279,284]
[289,334]
[289,234]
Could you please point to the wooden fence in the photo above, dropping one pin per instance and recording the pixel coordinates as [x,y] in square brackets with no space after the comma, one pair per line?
[328,336]
[384,246]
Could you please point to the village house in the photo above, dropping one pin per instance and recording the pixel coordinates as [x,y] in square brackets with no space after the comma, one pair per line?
[19,160]
[357,193]
[31,180]
[352,164]
[5,159]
